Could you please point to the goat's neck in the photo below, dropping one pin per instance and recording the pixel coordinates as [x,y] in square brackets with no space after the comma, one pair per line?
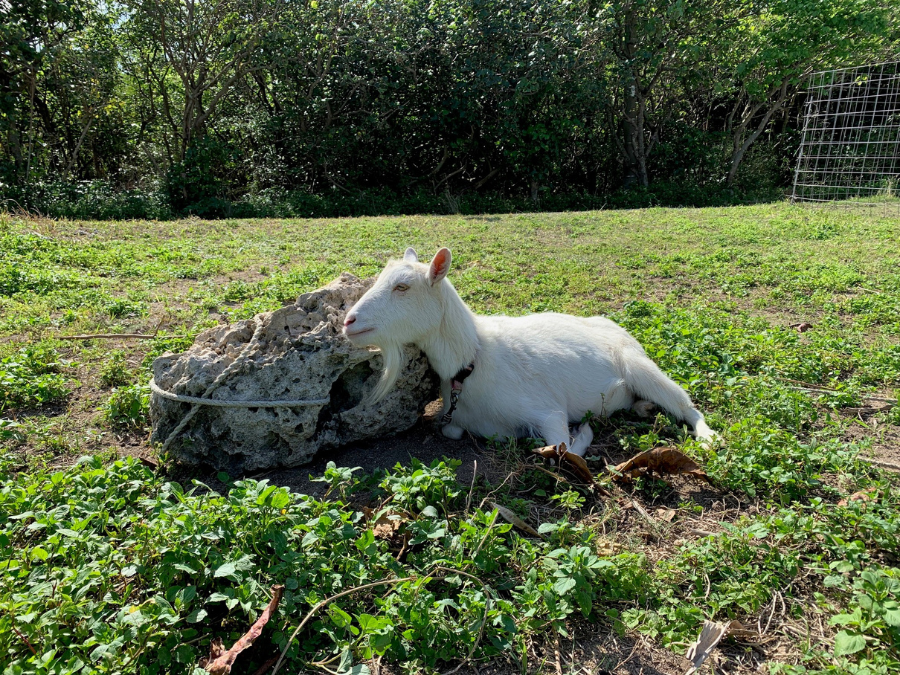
[453,345]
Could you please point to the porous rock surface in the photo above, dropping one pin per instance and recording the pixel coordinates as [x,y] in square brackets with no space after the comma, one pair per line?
[300,354]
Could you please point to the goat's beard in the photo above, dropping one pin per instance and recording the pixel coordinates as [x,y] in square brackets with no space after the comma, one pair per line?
[392,358]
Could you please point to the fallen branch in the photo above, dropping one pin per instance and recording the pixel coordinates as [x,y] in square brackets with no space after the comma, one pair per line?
[701,533]
[511,517]
[640,509]
[880,463]
[822,390]
[220,661]
[122,336]
[818,388]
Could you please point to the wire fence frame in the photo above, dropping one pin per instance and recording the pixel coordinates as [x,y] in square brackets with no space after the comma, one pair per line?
[850,144]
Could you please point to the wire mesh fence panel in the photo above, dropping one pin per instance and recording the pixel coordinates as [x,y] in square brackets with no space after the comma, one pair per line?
[850,147]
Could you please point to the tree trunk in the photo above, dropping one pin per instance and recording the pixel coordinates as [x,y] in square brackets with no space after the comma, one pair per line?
[632,127]
[31,88]
[633,135]
[84,132]
[740,144]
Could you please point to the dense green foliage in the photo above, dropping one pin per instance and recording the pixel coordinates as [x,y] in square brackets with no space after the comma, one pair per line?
[109,566]
[336,107]
[130,569]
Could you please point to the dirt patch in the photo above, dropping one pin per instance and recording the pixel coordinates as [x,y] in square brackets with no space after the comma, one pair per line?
[424,442]
[885,438]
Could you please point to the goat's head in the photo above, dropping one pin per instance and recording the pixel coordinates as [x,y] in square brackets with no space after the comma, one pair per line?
[402,307]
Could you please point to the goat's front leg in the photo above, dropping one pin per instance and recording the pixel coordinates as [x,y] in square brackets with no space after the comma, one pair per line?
[554,429]
[582,440]
[453,432]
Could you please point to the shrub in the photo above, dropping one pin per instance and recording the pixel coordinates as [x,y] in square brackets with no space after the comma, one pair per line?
[128,406]
[86,200]
[115,372]
[30,377]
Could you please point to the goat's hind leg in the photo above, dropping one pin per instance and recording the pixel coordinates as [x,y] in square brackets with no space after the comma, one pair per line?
[651,384]
[644,408]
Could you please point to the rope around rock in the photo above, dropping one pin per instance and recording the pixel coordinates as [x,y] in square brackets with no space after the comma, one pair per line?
[204,399]
[219,403]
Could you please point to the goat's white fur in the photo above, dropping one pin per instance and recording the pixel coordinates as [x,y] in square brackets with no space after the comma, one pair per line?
[534,375]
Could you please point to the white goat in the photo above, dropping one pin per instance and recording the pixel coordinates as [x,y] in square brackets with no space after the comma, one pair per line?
[532,376]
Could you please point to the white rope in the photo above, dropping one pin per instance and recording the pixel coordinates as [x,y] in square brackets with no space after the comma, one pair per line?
[204,398]
[155,388]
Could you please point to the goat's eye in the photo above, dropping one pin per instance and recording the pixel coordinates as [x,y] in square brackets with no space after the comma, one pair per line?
[401,287]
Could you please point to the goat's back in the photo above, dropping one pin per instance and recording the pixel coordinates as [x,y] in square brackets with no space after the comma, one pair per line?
[545,361]
[554,336]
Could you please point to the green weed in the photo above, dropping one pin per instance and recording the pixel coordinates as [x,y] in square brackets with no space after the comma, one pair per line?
[30,377]
[115,372]
[128,406]
[118,566]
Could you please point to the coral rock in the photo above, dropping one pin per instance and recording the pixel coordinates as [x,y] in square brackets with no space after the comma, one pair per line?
[299,354]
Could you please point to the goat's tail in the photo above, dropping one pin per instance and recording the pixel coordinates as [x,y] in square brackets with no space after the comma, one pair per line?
[648,382]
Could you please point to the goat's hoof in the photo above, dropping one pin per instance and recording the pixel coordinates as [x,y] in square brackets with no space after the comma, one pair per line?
[644,408]
[585,433]
[710,439]
[452,432]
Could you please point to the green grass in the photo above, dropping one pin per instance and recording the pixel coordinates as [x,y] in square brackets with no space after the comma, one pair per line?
[112,567]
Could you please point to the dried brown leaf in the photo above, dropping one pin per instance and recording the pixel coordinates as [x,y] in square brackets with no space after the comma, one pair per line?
[665,514]
[386,525]
[547,452]
[739,631]
[559,454]
[577,465]
[512,518]
[219,661]
[608,548]
[861,496]
[667,460]
[710,636]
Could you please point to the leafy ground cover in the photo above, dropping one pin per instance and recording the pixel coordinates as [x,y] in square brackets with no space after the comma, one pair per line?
[113,561]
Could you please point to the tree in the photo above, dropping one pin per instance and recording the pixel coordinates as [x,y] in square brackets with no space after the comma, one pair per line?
[648,44]
[774,47]
[208,46]
[31,32]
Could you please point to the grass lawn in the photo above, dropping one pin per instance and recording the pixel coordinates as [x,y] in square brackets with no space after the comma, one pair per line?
[110,565]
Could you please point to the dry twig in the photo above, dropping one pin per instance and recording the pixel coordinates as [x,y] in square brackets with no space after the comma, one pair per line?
[122,336]
[328,601]
[220,660]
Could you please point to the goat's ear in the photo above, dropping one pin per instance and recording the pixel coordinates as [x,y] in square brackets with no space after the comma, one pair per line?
[439,267]
[410,256]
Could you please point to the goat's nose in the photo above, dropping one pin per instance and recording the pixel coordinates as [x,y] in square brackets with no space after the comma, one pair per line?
[349,319]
